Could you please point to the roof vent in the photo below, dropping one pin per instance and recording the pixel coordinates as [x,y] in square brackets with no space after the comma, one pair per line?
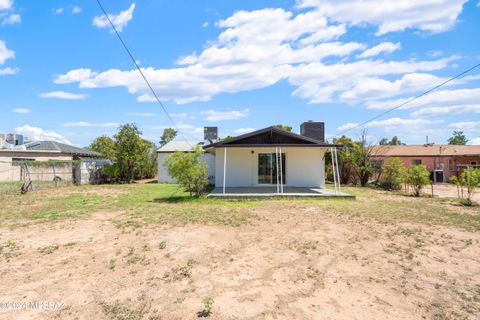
[313,129]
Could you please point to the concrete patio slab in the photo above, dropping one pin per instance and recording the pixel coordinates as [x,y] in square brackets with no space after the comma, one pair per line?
[271,192]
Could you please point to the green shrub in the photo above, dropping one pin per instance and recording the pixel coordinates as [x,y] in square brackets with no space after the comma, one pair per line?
[417,177]
[393,175]
[470,179]
[188,169]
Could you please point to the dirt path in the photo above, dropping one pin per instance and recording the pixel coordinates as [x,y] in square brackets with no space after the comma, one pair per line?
[291,263]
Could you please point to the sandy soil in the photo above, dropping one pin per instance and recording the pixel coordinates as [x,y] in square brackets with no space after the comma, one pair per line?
[291,263]
[448,190]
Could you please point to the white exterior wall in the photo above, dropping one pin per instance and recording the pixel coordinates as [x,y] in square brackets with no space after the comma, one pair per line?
[164,177]
[305,167]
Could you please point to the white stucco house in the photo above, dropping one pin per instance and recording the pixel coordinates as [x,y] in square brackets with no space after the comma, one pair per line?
[265,161]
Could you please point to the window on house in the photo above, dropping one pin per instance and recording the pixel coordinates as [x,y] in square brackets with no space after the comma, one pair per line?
[473,163]
[416,162]
[451,165]
[377,164]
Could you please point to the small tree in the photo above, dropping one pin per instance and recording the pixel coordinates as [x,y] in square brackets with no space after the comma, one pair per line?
[188,169]
[346,158]
[131,150]
[283,127]
[168,135]
[393,175]
[470,179]
[458,138]
[363,157]
[393,142]
[418,176]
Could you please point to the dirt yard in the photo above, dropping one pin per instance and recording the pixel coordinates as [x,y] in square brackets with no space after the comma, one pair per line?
[381,256]
[448,190]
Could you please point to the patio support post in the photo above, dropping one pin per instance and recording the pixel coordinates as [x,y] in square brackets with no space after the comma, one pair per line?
[276,168]
[338,172]
[334,171]
[224,168]
[281,170]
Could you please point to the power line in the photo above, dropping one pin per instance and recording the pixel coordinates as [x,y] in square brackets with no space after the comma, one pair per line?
[141,72]
[409,100]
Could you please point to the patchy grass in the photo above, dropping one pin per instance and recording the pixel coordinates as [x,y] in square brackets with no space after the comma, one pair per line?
[167,204]
[141,203]
[391,207]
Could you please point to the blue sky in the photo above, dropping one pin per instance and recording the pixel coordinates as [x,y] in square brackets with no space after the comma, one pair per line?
[239,65]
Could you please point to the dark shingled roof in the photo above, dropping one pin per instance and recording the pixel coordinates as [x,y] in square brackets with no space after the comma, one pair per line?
[63,148]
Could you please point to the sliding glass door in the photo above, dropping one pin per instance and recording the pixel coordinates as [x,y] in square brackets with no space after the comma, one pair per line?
[267,168]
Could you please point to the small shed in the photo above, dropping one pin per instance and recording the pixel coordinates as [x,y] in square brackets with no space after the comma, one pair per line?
[89,170]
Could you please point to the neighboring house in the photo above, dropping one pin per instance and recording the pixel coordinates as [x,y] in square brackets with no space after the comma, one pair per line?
[42,151]
[253,159]
[183,146]
[443,161]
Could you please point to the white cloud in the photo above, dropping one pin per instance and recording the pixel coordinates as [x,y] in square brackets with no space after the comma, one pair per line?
[390,16]
[120,20]
[476,141]
[8,71]
[257,49]
[244,130]
[12,19]
[83,124]
[63,95]
[58,10]
[205,24]
[465,125]
[39,134]
[373,87]
[5,4]
[387,47]
[449,110]
[20,110]
[76,10]
[439,98]
[5,53]
[213,115]
[388,124]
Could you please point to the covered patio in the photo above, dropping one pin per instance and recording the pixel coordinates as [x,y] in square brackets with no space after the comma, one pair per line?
[271,192]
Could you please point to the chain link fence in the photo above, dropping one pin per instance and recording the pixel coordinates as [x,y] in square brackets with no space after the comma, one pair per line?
[24,176]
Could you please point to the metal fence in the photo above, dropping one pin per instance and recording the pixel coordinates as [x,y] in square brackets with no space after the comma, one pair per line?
[26,176]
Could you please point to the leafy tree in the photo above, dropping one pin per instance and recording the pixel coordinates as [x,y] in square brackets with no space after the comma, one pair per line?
[346,158]
[393,174]
[283,127]
[168,135]
[131,150]
[363,159]
[470,178]
[393,142]
[418,176]
[458,138]
[104,145]
[146,167]
[188,169]
[228,138]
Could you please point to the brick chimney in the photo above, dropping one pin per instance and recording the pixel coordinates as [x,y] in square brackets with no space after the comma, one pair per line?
[313,129]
